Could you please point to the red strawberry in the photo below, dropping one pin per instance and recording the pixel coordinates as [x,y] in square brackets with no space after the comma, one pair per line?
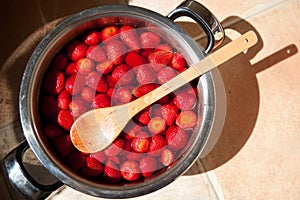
[70,68]
[145,74]
[100,156]
[77,107]
[60,61]
[75,160]
[87,94]
[130,170]
[96,53]
[178,62]
[65,119]
[63,145]
[160,59]
[155,110]
[186,119]
[124,94]
[176,137]
[76,50]
[110,81]
[49,107]
[185,101]
[158,142]
[109,32]
[115,148]
[93,37]
[148,166]
[63,100]
[84,66]
[141,142]
[156,125]
[144,89]
[131,130]
[122,74]
[134,59]
[167,157]
[143,116]
[165,74]
[52,131]
[54,82]
[116,51]
[101,100]
[163,47]
[97,81]
[75,83]
[149,40]
[104,67]
[129,36]
[169,113]
[92,167]
[111,172]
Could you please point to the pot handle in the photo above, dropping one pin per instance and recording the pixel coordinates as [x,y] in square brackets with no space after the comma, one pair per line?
[21,180]
[204,18]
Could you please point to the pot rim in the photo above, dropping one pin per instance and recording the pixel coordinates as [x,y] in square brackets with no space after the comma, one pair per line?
[48,160]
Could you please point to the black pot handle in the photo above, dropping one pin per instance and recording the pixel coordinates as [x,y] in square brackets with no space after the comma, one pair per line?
[204,18]
[21,180]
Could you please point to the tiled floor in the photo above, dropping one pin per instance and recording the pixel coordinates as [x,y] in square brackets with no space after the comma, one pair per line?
[257,155]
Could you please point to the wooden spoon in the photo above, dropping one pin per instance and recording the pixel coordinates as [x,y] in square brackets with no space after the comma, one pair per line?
[97,129]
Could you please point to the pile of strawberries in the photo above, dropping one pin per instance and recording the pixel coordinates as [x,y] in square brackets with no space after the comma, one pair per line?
[111,66]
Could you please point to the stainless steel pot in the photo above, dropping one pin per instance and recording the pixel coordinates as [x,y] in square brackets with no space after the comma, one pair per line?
[210,85]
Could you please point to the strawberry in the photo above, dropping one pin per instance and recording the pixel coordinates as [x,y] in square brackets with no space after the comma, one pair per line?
[186,119]
[116,51]
[75,83]
[104,67]
[169,113]
[141,142]
[160,59]
[167,157]
[87,94]
[130,170]
[124,94]
[149,40]
[115,148]
[165,74]
[156,125]
[176,137]
[148,166]
[178,62]
[54,82]
[63,145]
[109,32]
[70,68]
[158,142]
[111,172]
[100,156]
[92,167]
[52,131]
[76,50]
[97,81]
[131,130]
[143,116]
[129,36]
[185,101]
[49,107]
[84,66]
[63,100]
[96,53]
[144,89]
[134,59]
[163,47]
[60,61]
[122,75]
[146,52]
[93,37]
[101,100]
[75,160]
[77,107]
[65,119]
[145,74]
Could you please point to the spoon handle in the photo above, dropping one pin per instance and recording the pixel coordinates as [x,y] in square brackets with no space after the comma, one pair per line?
[220,56]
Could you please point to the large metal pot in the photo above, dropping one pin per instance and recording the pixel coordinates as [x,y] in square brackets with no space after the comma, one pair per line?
[210,85]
